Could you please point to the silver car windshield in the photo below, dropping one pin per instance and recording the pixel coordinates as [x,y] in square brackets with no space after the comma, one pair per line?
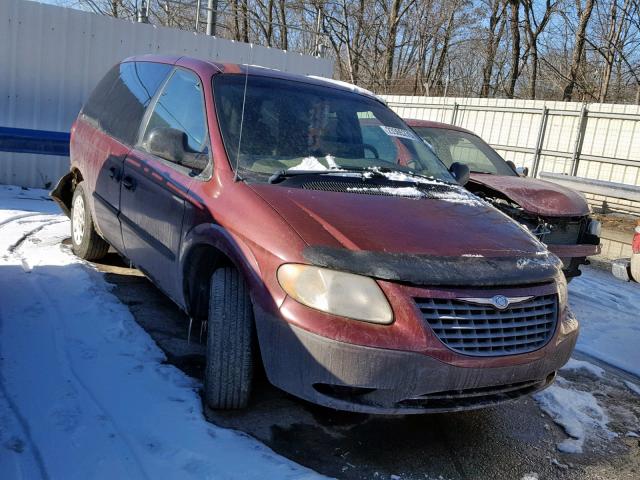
[271,125]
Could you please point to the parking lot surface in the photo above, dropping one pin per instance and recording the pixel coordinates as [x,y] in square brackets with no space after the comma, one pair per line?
[512,441]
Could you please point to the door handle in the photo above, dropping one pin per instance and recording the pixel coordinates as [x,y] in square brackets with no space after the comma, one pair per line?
[113,173]
[129,183]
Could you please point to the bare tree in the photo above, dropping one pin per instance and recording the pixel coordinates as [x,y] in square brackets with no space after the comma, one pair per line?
[578,49]
[535,48]
[533,28]
[497,23]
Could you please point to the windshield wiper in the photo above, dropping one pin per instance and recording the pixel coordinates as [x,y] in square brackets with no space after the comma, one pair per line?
[279,176]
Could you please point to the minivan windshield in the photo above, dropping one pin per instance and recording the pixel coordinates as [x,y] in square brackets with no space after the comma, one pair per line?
[456,146]
[289,125]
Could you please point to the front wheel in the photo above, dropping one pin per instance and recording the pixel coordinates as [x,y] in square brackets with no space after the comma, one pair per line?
[230,337]
[86,242]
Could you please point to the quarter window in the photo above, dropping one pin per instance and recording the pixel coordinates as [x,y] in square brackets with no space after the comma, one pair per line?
[181,107]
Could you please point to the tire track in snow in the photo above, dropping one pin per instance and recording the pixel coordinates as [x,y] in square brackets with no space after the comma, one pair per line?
[19,417]
[9,220]
[67,363]
[24,425]
[25,236]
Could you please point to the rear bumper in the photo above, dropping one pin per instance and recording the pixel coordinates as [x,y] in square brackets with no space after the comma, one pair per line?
[376,380]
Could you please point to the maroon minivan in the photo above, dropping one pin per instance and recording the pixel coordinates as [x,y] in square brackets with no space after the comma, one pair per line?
[349,262]
[556,215]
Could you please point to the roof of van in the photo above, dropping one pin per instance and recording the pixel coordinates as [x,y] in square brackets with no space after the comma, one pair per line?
[210,67]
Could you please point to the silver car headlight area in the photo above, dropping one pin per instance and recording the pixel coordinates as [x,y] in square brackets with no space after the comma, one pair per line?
[338,293]
[594,228]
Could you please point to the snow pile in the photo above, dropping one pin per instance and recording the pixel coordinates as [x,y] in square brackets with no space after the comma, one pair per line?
[530,476]
[577,412]
[632,386]
[453,194]
[84,391]
[581,365]
[412,192]
[608,310]
[459,195]
[311,164]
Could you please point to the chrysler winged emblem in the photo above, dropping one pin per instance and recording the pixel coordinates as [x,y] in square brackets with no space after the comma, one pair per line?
[500,302]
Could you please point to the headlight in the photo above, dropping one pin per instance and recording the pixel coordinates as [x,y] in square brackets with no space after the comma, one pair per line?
[594,228]
[561,282]
[338,293]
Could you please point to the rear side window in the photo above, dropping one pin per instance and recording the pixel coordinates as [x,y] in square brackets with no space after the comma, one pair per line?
[118,103]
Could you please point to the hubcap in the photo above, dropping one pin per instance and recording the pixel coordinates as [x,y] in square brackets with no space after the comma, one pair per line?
[78,220]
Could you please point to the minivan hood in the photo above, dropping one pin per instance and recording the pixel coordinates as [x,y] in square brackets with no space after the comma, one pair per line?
[537,197]
[461,225]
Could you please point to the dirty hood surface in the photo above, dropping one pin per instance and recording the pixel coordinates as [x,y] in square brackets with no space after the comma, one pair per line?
[536,196]
[458,226]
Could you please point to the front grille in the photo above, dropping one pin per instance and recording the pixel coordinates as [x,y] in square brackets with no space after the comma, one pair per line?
[482,330]
[563,233]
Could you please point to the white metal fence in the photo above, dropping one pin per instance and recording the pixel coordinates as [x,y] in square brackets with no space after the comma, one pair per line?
[596,141]
[52,57]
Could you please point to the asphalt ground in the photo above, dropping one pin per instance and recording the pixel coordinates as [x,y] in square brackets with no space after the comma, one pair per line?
[511,441]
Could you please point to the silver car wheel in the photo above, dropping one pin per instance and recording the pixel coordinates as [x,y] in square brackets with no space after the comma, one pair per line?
[77,220]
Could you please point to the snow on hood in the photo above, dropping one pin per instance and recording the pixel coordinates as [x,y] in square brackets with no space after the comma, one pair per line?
[537,197]
[453,193]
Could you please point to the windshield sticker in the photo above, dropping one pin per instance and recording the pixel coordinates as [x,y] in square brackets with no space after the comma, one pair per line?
[398,132]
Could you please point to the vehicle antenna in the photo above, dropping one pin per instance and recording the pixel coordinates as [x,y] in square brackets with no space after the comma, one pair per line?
[236,176]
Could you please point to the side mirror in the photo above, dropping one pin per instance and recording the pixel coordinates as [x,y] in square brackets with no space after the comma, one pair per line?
[460,172]
[511,165]
[167,143]
[522,171]
[171,144]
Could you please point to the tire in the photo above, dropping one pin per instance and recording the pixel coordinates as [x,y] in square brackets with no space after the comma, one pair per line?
[85,241]
[230,342]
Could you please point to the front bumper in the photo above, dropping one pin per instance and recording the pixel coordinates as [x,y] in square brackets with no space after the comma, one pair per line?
[572,256]
[573,251]
[358,378]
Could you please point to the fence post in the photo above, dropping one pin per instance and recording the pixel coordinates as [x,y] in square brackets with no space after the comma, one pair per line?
[540,142]
[454,113]
[577,150]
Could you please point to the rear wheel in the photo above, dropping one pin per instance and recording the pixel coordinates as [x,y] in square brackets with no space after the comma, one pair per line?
[230,337]
[86,243]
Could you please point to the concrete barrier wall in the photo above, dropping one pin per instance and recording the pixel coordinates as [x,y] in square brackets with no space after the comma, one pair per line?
[52,57]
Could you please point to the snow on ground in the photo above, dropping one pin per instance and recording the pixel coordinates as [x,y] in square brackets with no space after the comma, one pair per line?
[609,312]
[576,411]
[84,392]
[632,386]
[578,365]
